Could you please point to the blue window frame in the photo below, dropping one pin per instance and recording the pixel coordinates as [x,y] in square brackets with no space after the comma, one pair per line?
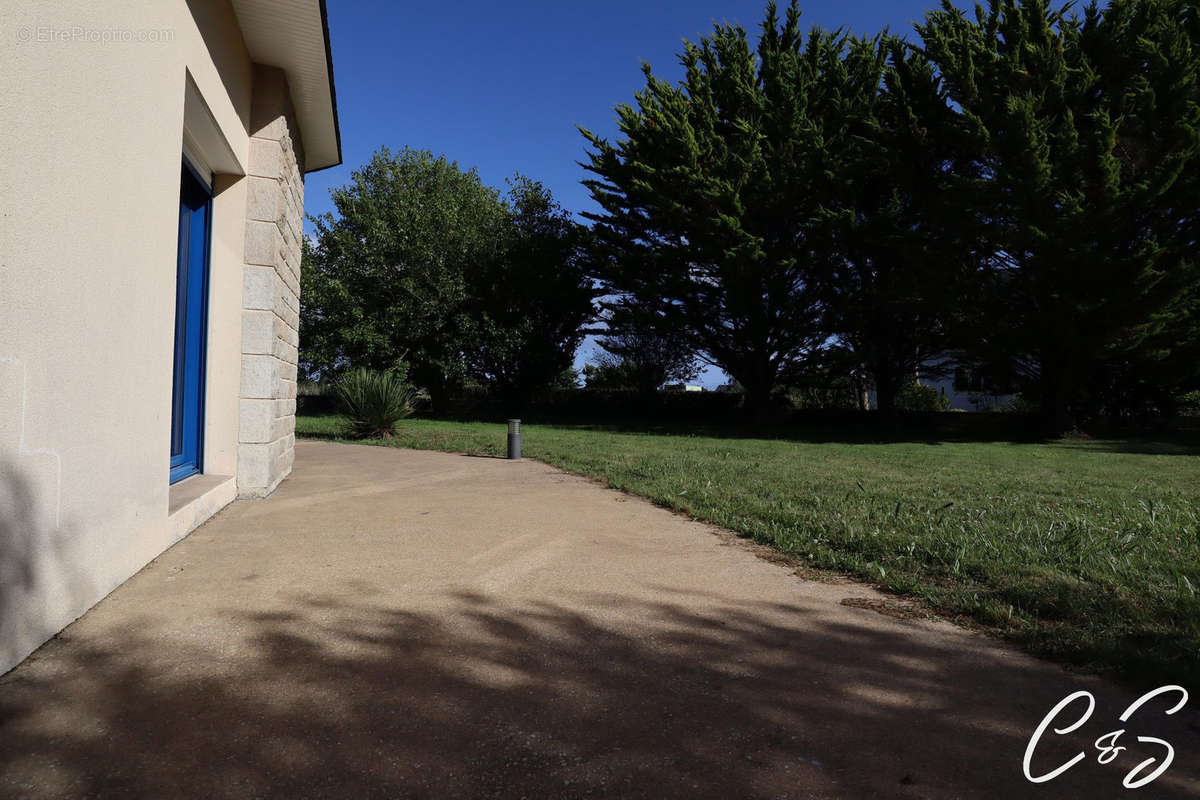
[191,323]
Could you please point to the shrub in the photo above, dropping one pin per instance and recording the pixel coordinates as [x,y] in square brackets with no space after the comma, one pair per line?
[1189,405]
[373,402]
[919,397]
[1022,404]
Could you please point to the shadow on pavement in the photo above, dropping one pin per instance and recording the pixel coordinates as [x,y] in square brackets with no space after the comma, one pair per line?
[359,700]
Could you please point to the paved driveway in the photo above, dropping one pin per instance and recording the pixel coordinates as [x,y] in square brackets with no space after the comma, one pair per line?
[406,624]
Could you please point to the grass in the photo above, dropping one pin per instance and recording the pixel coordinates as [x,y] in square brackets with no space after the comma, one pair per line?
[1086,552]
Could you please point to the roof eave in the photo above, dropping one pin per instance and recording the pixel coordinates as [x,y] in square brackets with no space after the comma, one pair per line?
[337,126]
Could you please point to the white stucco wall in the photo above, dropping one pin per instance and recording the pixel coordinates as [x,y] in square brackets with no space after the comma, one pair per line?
[967,401]
[92,114]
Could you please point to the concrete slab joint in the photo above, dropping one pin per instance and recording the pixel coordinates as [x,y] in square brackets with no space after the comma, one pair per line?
[271,288]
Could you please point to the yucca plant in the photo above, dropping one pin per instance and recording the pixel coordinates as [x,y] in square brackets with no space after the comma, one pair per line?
[373,402]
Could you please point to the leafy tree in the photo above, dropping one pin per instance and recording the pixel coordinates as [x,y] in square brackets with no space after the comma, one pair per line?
[529,304]
[1082,134]
[640,352]
[610,373]
[708,195]
[389,277]
[569,378]
[320,357]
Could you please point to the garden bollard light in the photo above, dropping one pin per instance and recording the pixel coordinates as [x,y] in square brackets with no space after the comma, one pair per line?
[514,439]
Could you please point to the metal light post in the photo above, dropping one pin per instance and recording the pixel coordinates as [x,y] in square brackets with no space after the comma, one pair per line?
[514,439]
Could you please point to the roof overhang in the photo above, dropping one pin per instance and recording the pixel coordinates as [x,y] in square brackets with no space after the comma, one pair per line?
[293,35]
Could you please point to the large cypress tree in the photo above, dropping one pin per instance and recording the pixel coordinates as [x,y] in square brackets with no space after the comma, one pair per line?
[1150,371]
[1083,134]
[899,248]
[709,195]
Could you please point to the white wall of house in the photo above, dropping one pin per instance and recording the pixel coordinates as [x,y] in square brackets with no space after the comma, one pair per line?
[967,401]
[94,106]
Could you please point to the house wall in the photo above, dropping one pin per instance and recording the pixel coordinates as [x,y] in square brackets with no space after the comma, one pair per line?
[93,115]
[967,401]
[271,310]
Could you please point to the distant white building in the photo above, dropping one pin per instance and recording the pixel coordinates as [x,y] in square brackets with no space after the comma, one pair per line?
[967,389]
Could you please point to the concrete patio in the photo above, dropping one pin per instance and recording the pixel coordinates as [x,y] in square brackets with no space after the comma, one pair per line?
[394,623]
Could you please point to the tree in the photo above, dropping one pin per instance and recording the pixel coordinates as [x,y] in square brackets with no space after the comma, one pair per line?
[708,197]
[530,304]
[1153,378]
[1083,136]
[388,278]
[1155,373]
[640,352]
[898,253]
[609,373]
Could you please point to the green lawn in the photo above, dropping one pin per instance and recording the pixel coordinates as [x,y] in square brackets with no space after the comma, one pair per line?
[1087,552]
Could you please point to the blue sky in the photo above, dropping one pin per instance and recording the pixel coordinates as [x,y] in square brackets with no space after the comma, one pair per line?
[500,86]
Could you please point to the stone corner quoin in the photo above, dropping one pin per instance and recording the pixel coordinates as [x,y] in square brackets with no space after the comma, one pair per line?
[271,290]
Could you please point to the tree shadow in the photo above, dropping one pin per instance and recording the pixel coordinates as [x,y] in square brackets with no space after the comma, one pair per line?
[18,573]
[39,572]
[1179,443]
[483,698]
